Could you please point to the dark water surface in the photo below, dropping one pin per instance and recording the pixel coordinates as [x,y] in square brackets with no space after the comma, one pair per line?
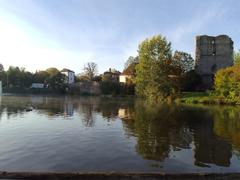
[66,134]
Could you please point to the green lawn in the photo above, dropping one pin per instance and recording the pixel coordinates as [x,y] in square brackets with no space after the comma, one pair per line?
[205,98]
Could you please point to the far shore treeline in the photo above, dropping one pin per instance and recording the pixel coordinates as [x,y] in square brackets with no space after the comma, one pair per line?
[156,73]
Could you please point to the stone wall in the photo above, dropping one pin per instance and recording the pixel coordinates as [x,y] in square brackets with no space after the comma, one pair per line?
[92,88]
[212,54]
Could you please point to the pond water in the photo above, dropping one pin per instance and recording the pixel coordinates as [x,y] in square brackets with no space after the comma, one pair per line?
[93,134]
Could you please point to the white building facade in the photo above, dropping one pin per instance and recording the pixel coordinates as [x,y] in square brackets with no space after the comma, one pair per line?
[123,78]
[70,76]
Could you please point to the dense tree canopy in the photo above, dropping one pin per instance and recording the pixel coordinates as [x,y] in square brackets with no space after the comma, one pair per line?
[52,71]
[131,61]
[227,82]
[156,73]
[16,77]
[184,60]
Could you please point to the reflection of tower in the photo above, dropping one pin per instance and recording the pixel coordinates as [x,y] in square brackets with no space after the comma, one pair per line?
[0,88]
[68,109]
[209,149]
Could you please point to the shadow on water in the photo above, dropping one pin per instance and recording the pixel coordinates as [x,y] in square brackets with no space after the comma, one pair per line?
[213,133]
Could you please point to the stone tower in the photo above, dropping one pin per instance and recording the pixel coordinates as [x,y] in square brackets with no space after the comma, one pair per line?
[212,54]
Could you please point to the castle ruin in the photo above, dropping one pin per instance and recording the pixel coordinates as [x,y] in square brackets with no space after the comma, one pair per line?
[212,54]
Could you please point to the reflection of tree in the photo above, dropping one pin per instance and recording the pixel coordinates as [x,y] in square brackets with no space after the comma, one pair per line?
[88,119]
[158,129]
[227,124]
[87,107]
[162,128]
[44,105]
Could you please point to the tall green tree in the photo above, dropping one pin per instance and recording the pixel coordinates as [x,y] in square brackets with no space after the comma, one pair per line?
[131,61]
[184,60]
[156,73]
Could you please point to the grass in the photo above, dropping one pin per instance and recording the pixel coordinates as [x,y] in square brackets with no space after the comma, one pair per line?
[205,98]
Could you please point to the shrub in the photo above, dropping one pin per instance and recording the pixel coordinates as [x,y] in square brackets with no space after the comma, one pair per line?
[116,88]
[227,82]
[190,81]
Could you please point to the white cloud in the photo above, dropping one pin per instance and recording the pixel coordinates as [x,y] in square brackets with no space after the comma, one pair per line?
[195,26]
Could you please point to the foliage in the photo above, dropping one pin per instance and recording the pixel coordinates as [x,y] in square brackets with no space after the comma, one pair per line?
[236,57]
[116,88]
[227,124]
[81,78]
[1,68]
[130,69]
[56,81]
[159,128]
[190,80]
[97,78]
[184,60]
[156,74]
[227,82]
[52,71]
[107,77]
[41,76]
[131,60]
[18,77]
[90,70]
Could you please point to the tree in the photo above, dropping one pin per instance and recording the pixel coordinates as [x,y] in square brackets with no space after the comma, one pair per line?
[184,60]
[156,73]
[227,82]
[1,68]
[18,77]
[190,81]
[41,76]
[90,70]
[236,57]
[130,67]
[56,81]
[131,61]
[52,71]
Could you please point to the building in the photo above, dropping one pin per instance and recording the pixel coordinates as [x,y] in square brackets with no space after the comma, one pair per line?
[212,54]
[128,74]
[125,78]
[70,76]
[37,86]
[111,75]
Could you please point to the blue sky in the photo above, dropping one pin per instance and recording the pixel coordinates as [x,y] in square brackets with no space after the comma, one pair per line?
[37,34]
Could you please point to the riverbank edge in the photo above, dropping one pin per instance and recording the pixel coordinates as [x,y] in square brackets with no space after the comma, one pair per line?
[115,175]
[207,98]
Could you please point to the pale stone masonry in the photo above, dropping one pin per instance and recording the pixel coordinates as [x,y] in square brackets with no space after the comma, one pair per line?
[212,54]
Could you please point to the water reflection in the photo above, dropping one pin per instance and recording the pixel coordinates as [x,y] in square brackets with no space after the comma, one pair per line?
[212,133]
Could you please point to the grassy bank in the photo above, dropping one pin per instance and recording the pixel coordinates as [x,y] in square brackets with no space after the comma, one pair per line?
[206,98]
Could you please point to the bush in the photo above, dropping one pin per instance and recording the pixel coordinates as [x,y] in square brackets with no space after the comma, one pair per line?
[190,81]
[116,88]
[227,82]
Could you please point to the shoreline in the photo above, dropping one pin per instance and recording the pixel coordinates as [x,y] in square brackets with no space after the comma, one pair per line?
[205,98]
[116,175]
